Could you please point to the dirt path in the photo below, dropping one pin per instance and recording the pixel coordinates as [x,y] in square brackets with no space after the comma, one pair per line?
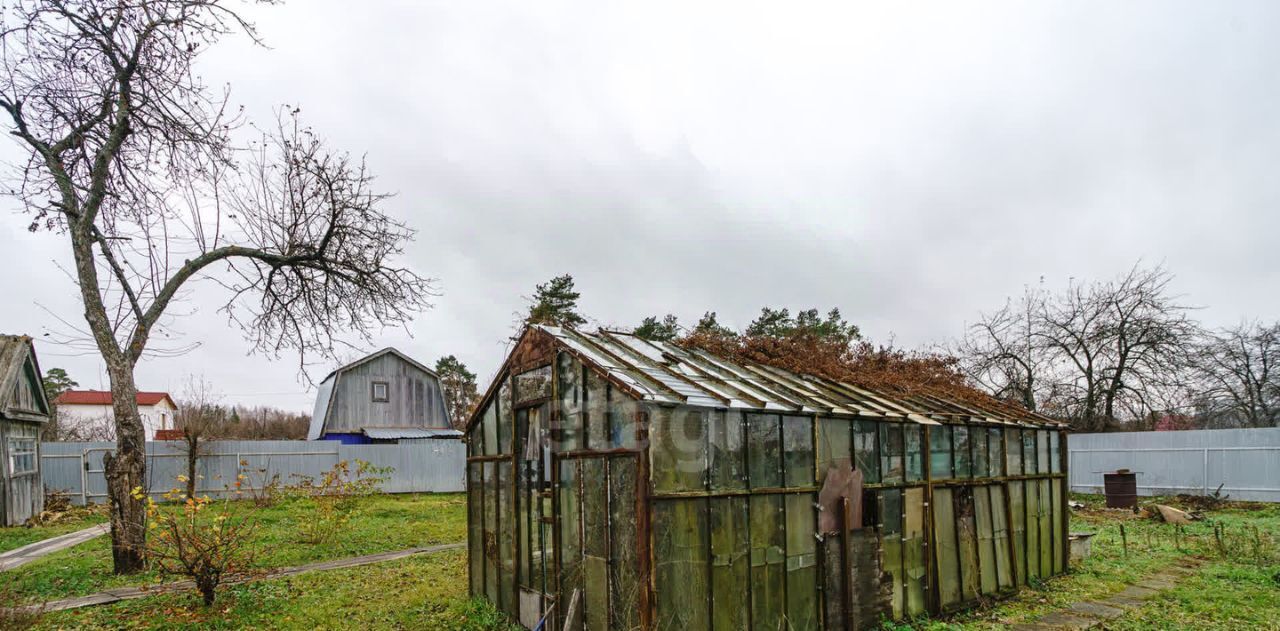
[32,551]
[1092,613]
[130,593]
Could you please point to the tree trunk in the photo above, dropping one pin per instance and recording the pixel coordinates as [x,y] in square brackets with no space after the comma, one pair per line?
[193,457]
[126,470]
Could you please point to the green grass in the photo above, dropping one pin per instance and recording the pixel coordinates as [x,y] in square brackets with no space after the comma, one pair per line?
[426,592]
[1235,586]
[71,521]
[384,523]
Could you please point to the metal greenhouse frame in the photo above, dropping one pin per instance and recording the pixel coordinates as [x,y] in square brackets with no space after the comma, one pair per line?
[668,488]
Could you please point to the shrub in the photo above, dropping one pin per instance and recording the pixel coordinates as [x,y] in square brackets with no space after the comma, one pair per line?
[263,488]
[199,539]
[335,498]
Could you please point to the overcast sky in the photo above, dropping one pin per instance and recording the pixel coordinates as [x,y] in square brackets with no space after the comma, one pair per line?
[912,165]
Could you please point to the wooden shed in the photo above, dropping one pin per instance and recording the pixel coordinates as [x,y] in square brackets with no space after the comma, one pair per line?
[385,397]
[670,488]
[23,410]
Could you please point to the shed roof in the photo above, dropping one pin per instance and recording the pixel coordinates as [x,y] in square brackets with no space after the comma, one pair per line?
[18,360]
[662,372]
[396,433]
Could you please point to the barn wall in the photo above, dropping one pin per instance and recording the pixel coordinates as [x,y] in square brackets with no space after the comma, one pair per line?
[415,397]
[23,494]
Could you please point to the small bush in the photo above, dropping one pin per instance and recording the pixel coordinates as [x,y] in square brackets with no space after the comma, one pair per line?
[201,540]
[263,488]
[334,498]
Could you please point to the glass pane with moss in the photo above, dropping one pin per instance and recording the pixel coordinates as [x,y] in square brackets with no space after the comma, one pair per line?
[835,443]
[678,449]
[891,451]
[915,452]
[490,532]
[802,563]
[533,384]
[569,383]
[1013,451]
[963,453]
[595,543]
[475,520]
[489,429]
[940,452]
[730,575]
[891,546]
[797,450]
[570,529]
[768,562]
[764,457]
[681,549]
[1042,451]
[506,539]
[865,450]
[726,455]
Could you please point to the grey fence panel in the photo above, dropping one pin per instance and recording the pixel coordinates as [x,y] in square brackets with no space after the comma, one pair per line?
[1244,462]
[436,466]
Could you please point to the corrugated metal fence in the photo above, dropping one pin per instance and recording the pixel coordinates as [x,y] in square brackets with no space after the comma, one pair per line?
[1246,462]
[428,466]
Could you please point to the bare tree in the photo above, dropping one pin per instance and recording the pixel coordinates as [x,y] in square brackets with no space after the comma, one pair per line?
[1238,374]
[156,184]
[200,418]
[999,352]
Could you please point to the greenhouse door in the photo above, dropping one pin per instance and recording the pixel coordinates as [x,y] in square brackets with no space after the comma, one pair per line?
[599,541]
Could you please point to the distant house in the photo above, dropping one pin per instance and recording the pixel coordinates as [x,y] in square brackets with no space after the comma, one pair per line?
[386,397]
[23,410]
[87,408]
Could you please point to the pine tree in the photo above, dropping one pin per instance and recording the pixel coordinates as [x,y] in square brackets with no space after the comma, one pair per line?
[460,391]
[556,303]
[656,330]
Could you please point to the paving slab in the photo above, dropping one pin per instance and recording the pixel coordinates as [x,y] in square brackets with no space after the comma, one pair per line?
[1062,620]
[1137,593]
[19,557]
[1096,610]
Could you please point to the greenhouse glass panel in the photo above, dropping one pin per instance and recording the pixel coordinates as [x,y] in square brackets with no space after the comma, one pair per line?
[1018,517]
[1055,452]
[570,528]
[915,455]
[730,569]
[995,443]
[1000,530]
[1042,451]
[622,420]
[967,536]
[597,407]
[835,443]
[891,449]
[764,461]
[768,557]
[963,453]
[1032,489]
[475,534]
[678,449]
[491,527]
[916,566]
[891,546]
[1029,451]
[595,543]
[681,552]
[981,461]
[624,578]
[1013,452]
[489,429]
[866,451]
[506,417]
[533,384]
[986,540]
[797,451]
[725,450]
[940,452]
[1046,529]
[947,553]
[802,562]
[506,539]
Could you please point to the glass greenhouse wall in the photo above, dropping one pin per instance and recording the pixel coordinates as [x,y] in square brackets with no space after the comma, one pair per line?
[591,504]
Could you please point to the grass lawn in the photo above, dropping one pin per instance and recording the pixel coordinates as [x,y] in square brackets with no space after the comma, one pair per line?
[383,523]
[71,521]
[1236,586]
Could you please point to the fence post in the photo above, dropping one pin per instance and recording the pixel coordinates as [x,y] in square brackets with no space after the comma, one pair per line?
[1206,471]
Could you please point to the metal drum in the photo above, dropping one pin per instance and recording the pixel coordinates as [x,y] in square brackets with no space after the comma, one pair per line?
[1121,489]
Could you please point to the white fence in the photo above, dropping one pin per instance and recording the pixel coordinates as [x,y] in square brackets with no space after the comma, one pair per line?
[1244,462]
[427,466]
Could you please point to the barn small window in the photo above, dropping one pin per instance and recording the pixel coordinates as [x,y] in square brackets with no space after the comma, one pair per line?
[22,456]
[381,392]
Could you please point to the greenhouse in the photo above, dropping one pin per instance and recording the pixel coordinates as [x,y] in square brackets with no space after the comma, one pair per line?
[618,483]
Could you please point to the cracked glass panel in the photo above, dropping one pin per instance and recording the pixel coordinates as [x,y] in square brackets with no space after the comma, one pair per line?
[533,384]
